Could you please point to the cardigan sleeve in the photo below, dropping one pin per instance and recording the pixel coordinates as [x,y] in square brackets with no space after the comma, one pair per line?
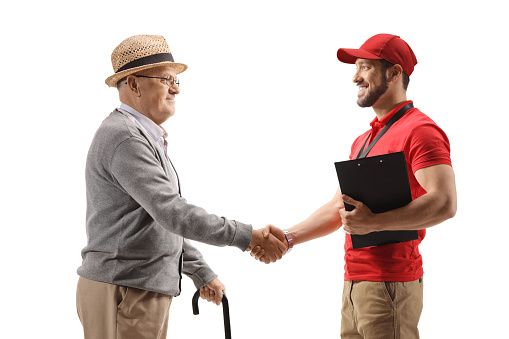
[195,266]
[137,170]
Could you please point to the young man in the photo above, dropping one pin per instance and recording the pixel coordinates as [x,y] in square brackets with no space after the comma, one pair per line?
[382,295]
[138,223]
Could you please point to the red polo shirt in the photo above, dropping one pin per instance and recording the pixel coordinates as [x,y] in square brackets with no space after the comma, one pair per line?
[424,144]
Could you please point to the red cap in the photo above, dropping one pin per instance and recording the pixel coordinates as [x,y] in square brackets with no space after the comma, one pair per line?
[382,46]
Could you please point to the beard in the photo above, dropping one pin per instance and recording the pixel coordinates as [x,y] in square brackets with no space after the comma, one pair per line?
[372,96]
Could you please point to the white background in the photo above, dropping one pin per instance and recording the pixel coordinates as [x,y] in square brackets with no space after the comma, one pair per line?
[265,111]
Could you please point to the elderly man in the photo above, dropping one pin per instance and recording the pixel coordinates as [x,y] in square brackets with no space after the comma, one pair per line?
[383,290]
[138,224]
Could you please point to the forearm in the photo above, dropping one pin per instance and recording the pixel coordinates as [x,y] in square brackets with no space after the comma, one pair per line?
[322,222]
[432,208]
[428,210]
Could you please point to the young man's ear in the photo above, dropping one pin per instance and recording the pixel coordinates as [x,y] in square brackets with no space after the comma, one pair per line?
[394,73]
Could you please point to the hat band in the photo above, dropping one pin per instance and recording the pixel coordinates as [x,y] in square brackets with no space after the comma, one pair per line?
[150,59]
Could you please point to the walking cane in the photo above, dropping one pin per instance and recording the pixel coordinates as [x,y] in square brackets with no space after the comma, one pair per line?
[226,312]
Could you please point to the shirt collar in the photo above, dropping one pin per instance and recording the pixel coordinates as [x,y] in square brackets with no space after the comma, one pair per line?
[389,115]
[155,131]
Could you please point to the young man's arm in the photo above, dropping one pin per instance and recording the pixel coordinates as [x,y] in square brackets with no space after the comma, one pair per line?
[322,222]
[432,208]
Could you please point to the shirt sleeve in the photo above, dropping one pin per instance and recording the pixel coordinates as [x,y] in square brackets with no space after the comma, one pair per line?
[136,169]
[428,145]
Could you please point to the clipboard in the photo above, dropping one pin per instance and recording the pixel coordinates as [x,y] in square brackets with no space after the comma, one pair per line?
[381,183]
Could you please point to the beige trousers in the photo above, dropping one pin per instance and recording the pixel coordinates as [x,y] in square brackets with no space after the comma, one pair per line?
[109,311]
[381,310]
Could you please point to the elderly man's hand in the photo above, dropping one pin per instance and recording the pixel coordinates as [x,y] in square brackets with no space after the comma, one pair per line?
[274,247]
[259,253]
[213,292]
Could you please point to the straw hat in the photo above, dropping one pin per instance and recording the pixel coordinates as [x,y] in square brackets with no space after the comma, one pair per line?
[140,52]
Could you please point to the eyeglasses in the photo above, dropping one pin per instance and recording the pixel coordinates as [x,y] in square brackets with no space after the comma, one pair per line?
[170,81]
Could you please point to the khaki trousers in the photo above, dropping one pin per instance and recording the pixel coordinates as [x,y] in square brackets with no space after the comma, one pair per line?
[378,309]
[109,311]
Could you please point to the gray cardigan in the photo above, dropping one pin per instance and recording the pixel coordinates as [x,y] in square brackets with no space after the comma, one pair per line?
[137,223]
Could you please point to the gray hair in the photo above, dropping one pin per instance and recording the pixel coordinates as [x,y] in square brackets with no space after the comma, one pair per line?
[121,82]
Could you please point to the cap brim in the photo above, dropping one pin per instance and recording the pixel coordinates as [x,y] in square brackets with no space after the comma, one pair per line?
[350,55]
[113,80]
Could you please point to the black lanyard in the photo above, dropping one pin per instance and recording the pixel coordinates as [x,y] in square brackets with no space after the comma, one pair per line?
[395,117]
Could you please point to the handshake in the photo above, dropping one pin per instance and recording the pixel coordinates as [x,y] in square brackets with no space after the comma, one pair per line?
[268,244]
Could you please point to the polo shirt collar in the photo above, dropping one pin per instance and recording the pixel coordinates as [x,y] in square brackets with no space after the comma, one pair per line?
[389,115]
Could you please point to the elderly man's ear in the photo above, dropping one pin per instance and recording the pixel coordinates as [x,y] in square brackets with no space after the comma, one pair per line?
[133,85]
